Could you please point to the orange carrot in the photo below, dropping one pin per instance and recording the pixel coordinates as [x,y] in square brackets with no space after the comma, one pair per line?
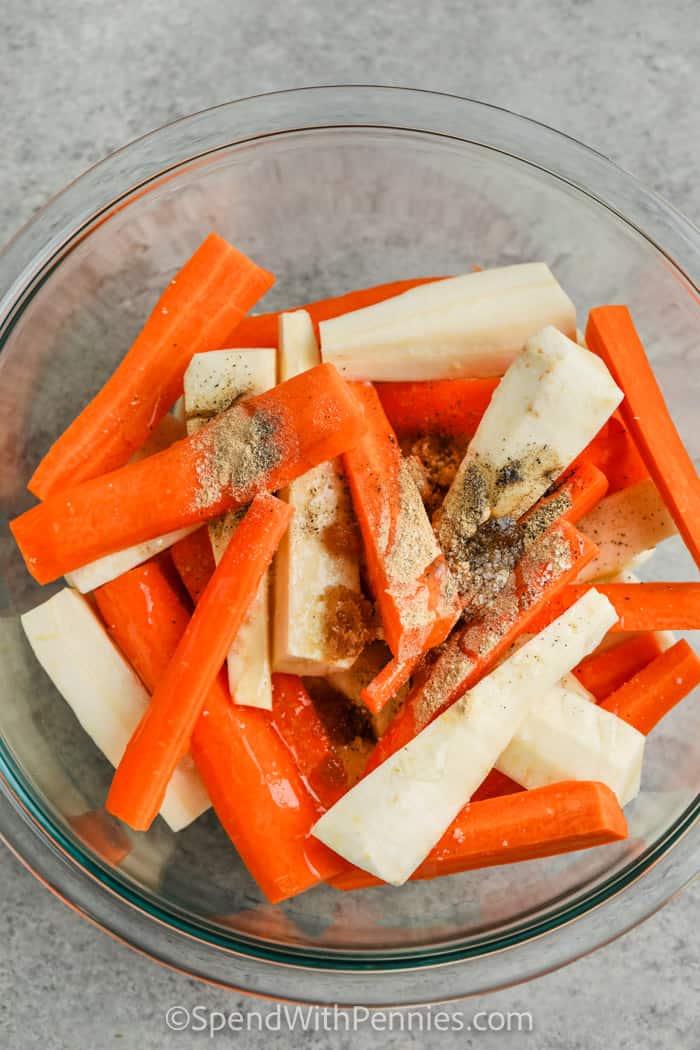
[251,777]
[259,796]
[640,606]
[131,607]
[495,785]
[547,566]
[603,672]
[611,334]
[193,558]
[614,452]
[261,330]
[574,495]
[198,309]
[294,715]
[576,492]
[544,822]
[301,728]
[260,444]
[652,692]
[438,406]
[385,685]
[163,735]
[407,572]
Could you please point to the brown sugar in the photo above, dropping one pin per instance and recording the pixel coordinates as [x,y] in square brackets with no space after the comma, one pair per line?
[434,459]
[347,622]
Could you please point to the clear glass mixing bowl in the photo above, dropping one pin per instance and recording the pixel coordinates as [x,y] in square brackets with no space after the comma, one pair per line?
[332,188]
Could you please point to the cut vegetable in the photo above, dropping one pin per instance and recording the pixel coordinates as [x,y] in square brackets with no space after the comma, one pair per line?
[213,382]
[262,329]
[302,730]
[441,406]
[631,522]
[566,737]
[547,821]
[385,685]
[407,572]
[320,613]
[571,497]
[256,446]
[574,495]
[468,326]
[194,560]
[611,334]
[164,733]
[605,671]
[96,573]
[354,682]
[200,306]
[614,452]
[251,777]
[103,692]
[652,692]
[551,401]
[640,606]
[169,430]
[417,794]
[88,577]
[553,559]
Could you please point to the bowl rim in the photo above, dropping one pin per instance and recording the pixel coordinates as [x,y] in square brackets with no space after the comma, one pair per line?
[26,262]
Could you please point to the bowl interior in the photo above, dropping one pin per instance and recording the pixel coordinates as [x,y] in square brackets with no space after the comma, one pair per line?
[327,210]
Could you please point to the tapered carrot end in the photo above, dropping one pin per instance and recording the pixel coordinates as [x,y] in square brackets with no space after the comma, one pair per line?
[608,818]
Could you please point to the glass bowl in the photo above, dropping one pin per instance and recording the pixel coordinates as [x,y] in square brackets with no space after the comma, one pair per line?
[331,188]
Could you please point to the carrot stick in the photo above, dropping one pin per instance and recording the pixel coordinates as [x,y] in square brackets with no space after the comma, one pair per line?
[604,672]
[262,329]
[193,558]
[198,309]
[550,563]
[255,787]
[163,735]
[407,571]
[611,334]
[640,606]
[614,452]
[439,406]
[495,785]
[259,797]
[293,713]
[544,822]
[652,692]
[260,444]
[302,730]
[385,685]
[574,495]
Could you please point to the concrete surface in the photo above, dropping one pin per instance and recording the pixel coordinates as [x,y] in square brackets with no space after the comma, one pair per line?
[79,78]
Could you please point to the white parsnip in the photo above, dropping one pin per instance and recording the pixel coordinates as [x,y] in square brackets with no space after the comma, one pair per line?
[390,820]
[551,402]
[567,737]
[471,325]
[103,691]
[317,576]
[626,527]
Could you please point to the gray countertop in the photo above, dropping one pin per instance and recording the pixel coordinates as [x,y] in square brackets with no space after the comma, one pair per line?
[82,77]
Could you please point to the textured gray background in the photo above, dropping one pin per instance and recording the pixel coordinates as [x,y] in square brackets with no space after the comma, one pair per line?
[79,78]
